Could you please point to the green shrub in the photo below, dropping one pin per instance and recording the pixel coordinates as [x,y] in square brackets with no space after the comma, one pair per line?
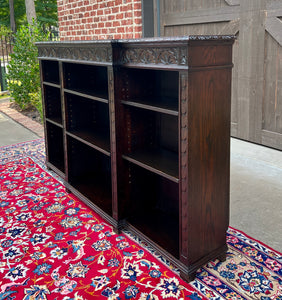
[23,71]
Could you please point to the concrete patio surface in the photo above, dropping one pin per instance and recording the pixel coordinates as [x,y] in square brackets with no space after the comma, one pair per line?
[256,192]
[256,180]
[12,132]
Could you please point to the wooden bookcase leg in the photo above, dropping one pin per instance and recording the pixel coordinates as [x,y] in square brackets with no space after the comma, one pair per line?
[188,276]
[222,257]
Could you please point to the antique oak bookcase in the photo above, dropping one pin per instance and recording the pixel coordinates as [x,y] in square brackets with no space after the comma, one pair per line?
[140,131]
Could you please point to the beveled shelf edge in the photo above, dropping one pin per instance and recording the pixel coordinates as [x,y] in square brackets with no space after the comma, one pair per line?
[107,153]
[54,122]
[55,85]
[150,107]
[88,96]
[149,168]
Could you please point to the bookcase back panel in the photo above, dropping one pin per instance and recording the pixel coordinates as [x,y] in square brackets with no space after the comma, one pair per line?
[89,171]
[87,79]
[52,99]
[153,203]
[55,150]
[50,71]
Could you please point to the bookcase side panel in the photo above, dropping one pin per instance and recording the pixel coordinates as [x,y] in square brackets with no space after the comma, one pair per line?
[209,162]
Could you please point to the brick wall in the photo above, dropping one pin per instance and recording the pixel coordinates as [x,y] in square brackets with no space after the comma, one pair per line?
[99,19]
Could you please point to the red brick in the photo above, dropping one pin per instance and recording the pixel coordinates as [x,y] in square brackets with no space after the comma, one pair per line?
[129,29]
[116,23]
[128,36]
[120,30]
[99,19]
[137,5]
[138,21]
[127,22]
[126,7]
[138,28]
[137,13]
[102,4]
[115,9]
[107,11]
[128,14]
[119,16]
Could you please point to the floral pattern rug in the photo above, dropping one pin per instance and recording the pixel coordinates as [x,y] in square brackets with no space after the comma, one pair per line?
[52,246]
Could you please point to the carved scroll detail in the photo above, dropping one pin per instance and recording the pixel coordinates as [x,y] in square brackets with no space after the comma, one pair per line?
[165,56]
[97,54]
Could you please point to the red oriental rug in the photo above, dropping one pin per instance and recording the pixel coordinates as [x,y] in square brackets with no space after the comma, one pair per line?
[52,246]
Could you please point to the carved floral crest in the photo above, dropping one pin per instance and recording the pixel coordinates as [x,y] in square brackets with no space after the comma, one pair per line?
[96,54]
[177,56]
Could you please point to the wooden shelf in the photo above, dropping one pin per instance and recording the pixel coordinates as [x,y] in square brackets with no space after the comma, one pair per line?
[56,121]
[55,85]
[163,105]
[92,139]
[161,162]
[88,94]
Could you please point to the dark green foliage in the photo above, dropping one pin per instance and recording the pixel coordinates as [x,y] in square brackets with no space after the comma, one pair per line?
[20,13]
[23,71]
[46,11]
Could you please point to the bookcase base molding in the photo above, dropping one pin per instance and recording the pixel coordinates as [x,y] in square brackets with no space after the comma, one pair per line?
[140,131]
